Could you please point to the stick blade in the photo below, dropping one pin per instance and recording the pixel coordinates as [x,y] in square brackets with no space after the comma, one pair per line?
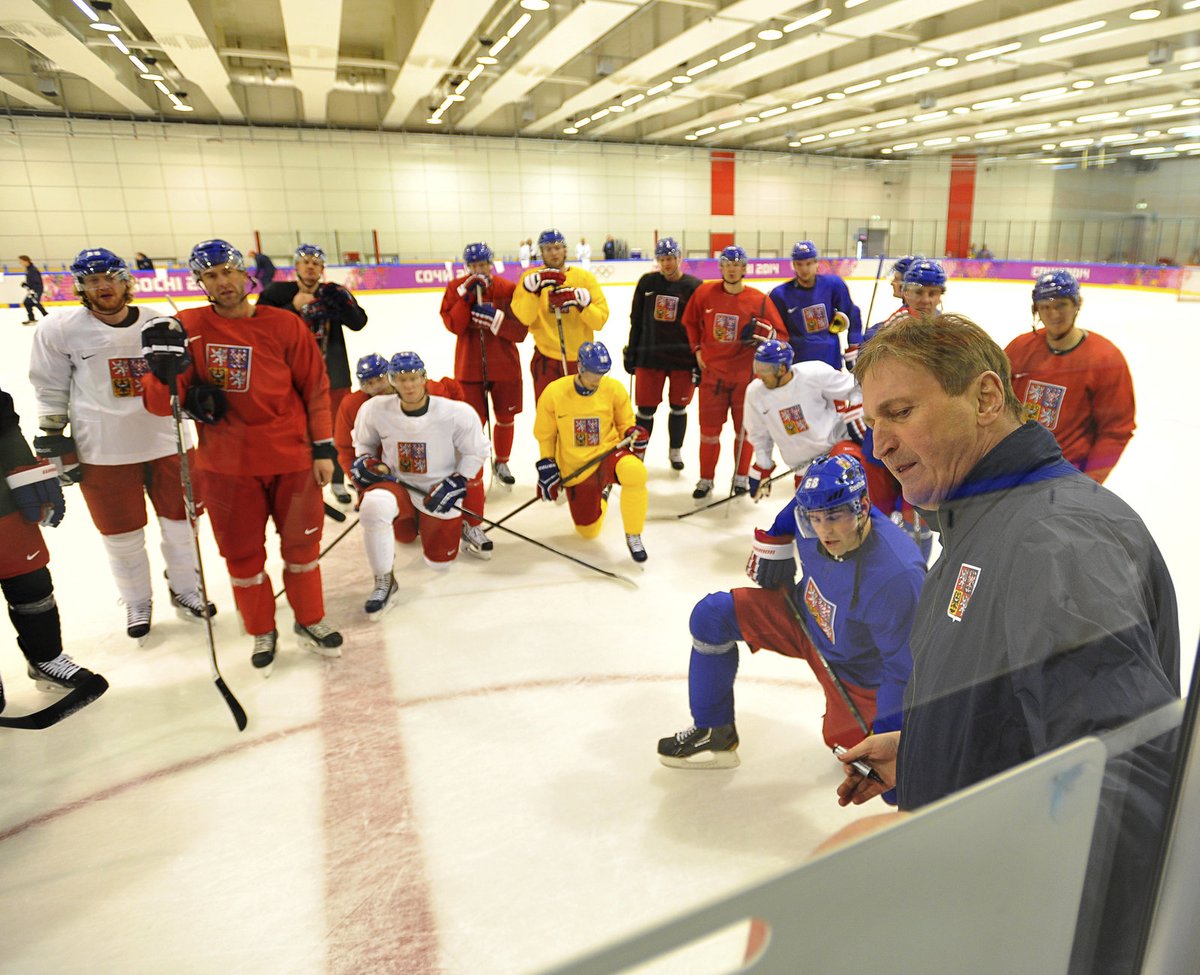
[79,698]
[334,513]
[235,706]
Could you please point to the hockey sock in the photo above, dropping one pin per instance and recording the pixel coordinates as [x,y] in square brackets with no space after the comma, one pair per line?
[677,426]
[178,554]
[502,438]
[645,418]
[635,499]
[474,498]
[302,583]
[714,661]
[746,456]
[378,510]
[130,565]
[34,614]
[255,601]
[710,451]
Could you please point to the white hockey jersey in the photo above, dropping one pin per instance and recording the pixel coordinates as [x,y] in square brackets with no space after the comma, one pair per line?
[422,450]
[92,372]
[804,417]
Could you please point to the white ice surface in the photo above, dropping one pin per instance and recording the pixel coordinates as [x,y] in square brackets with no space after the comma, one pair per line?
[472,787]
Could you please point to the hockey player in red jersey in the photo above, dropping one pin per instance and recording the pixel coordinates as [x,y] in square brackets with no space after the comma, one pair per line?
[1074,383]
[415,455]
[254,380]
[477,307]
[87,369]
[725,320]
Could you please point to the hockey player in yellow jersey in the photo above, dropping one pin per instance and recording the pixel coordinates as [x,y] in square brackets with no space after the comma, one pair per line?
[563,308]
[586,420]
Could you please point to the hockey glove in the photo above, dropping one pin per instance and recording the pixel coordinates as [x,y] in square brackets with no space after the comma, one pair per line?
[628,359]
[772,562]
[850,356]
[639,440]
[760,485]
[205,403]
[445,494]
[369,470]
[60,451]
[697,375]
[564,298]
[36,493]
[487,316]
[318,316]
[466,290]
[852,414]
[756,330]
[549,479]
[164,344]
[840,323]
[546,277]
[338,300]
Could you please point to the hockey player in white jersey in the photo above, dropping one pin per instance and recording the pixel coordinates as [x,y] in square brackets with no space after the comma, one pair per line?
[803,409]
[86,368]
[414,455]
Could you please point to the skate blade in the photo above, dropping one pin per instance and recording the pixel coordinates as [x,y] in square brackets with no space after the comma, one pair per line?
[141,640]
[264,671]
[377,615]
[481,553]
[703,760]
[188,616]
[49,687]
[312,646]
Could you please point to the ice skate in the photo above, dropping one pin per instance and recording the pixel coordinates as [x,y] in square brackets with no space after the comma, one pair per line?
[700,748]
[676,457]
[137,620]
[320,638]
[505,475]
[475,542]
[263,654]
[59,674]
[339,492]
[636,548]
[703,489]
[382,597]
[741,485]
[190,606]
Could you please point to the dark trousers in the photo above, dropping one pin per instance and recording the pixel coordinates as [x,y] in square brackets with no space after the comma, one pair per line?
[34,300]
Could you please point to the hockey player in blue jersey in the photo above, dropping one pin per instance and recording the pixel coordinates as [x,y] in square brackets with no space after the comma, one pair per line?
[853,606]
[816,308]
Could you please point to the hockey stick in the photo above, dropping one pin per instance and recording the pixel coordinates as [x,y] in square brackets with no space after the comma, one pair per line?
[562,342]
[570,477]
[334,513]
[345,531]
[841,688]
[526,538]
[871,306]
[185,476]
[487,413]
[79,697]
[721,501]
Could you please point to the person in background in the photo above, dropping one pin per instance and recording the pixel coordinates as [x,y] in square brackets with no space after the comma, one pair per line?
[33,288]
[143,262]
[264,269]
[610,248]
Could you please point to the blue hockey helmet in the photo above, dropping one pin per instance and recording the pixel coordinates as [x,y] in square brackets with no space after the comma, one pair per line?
[733,254]
[371,366]
[405,362]
[477,252]
[215,253]
[99,260]
[314,252]
[775,353]
[904,263]
[805,250]
[1056,284]
[594,358]
[551,236]
[667,247]
[831,482]
[926,274]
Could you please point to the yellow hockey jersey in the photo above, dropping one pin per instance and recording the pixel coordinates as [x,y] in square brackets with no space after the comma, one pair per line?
[578,326]
[574,429]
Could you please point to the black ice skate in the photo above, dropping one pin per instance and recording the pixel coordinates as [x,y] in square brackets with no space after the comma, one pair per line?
[700,748]
[190,606]
[59,674]
[340,494]
[263,654]
[636,548]
[319,637]
[475,542]
[741,485]
[703,489]
[137,620]
[382,597]
[502,472]
[676,457]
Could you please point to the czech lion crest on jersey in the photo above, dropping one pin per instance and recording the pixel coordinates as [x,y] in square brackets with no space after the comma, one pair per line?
[229,366]
[666,308]
[964,588]
[587,431]
[820,608]
[1043,402]
[792,418]
[725,327]
[816,319]
[411,458]
[125,375]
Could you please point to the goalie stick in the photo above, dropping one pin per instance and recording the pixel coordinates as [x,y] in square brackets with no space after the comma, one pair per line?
[79,697]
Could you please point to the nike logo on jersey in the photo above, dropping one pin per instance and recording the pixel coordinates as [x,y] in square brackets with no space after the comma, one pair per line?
[30,558]
[791,311]
[708,311]
[89,356]
[309,531]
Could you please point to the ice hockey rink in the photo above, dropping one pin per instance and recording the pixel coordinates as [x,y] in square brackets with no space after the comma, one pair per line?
[473,786]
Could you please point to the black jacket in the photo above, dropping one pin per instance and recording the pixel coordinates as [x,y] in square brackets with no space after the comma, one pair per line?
[14,451]
[337,363]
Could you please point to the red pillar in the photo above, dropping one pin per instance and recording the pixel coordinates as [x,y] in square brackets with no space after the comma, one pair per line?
[721,178]
[960,205]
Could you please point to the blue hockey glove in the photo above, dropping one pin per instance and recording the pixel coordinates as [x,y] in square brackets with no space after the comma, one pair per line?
[549,479]
[772,562]
[59,450]
[369,470]
[756,330]
[760,484]
[487,316]
[445,494]
[36,493]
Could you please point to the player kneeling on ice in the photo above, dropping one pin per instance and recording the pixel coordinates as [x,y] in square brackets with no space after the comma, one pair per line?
[416,455]
[848,617]
[585,425]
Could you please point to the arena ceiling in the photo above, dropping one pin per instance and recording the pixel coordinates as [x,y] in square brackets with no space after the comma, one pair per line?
[876,78]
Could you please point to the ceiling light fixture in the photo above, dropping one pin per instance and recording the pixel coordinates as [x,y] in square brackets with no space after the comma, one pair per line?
[103,26]
[805,21]
[118,43]
[570,130]
[930,116]
[1145,13]
[891,123]
[137,63]
[1117,79]
[475,72]
[658,88]
[841,133]
[992,103]
[1033,96]
[1058,35]
[1149,110]
[937,142]
[681,79]
[518,26]
[707,130]
[993,52]
[809,102]
[535,4]
[710,63]
[1098,117]
[82,5]
[770,34]
[862,86]
[1036,127]
[1082,85]
[597,116]
[499,46]
[616,108]
[903,146]
[811,138]
[487,59]
[772,112]
[161,87]
[1190,66]
[946,62]
[634,99]
[152,76]
[737,52]
[905,75]
[732,124]
[835,95]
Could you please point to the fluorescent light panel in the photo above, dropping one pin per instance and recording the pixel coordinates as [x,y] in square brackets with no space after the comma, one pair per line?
[1059,35]
[993,52]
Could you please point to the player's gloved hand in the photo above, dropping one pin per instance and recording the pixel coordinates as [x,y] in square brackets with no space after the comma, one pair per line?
[59,450]
[756,330]
[164,344]
[772,562]
[318,316]
[545,277]
[850,356]
[36,493]
[628,360]
[841,322]
[851,413]
[445,494]
[466,290]
[368,470]
[697,375]
[760,484]
[549,479]
[639,440]
[205,403]
[564,298]
[487,316]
